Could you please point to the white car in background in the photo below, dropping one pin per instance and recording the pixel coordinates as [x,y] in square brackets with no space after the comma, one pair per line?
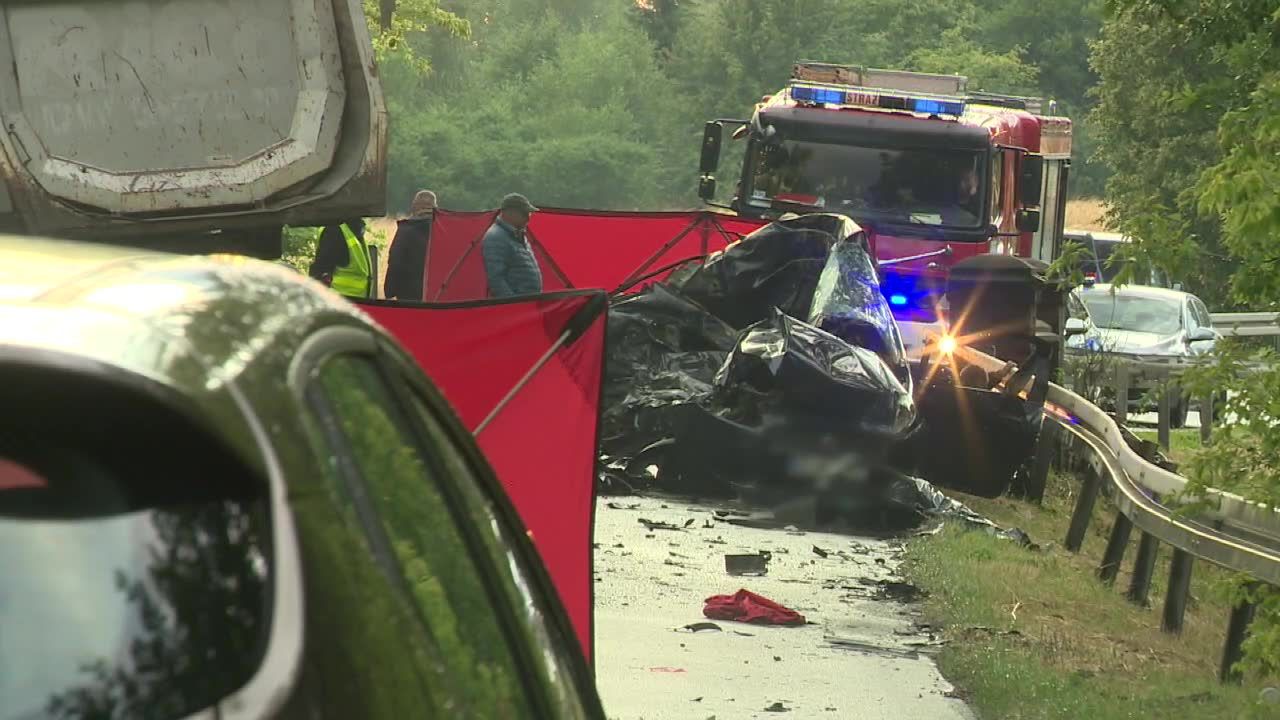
[1083,336]
[1151,323]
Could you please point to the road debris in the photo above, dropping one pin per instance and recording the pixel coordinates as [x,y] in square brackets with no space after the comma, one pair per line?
[658,525]
[700,627]
[643,611]
[900,591]
[748,607]
[753,564]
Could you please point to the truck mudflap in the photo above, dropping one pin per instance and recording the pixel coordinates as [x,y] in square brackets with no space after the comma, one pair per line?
[180,107]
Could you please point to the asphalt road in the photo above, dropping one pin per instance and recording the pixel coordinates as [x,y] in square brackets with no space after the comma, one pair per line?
[863,653]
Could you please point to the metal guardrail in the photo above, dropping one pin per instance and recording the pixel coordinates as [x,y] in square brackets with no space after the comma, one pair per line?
[1251,324]
[1228,530]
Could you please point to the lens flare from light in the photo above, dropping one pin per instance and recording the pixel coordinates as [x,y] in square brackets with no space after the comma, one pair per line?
[946,344]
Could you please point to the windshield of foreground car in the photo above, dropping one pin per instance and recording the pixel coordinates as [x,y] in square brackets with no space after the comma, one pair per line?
[1132,313]
[929,187]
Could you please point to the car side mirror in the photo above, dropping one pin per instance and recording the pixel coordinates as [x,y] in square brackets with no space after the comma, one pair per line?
[707,187]
[1075,326]
[1201,334]
[1028,220]
[1031,180]
[712,137]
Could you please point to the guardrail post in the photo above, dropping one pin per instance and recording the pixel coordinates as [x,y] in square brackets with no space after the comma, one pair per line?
[1144,567]
[1084,510]
[1165,410]
[1237,630]
[1046,448]
[1116,545]
[1206,418]
[1175,601]
[1122,393]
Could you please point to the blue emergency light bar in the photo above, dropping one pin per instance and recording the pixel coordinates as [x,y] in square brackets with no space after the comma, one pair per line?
[820,95]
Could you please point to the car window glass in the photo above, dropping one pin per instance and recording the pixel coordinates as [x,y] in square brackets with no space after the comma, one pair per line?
[363,616]
[437,564]
[1134,313]
[1201,313]
[1076,308]
[556,656]
[159,604]
[997,187]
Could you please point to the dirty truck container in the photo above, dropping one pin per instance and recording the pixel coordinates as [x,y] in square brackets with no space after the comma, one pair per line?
[180,123]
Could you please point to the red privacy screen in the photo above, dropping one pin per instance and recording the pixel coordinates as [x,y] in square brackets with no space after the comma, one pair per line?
[576,248]
[542,443]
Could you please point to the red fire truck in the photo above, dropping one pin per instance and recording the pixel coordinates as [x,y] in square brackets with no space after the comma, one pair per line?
[933,172]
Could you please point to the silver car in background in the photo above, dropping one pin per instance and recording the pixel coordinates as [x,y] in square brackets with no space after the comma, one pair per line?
[1152,324]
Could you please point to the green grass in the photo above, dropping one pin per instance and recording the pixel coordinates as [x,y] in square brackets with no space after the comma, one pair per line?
[1037,635]
[1183,443]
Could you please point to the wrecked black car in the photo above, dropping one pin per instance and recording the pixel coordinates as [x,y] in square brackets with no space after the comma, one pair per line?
[774,369]
[718,387]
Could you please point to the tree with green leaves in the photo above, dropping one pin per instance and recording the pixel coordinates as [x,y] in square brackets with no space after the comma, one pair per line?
[1188,112]
[392,22]
[1168,76]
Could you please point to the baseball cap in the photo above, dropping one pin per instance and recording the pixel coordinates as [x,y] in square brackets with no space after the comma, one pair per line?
[516,201]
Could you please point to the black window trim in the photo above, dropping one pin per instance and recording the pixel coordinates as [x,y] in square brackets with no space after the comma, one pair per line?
[346,341]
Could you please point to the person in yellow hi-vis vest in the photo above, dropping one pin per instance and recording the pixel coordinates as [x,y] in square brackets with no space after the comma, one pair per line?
[342,259]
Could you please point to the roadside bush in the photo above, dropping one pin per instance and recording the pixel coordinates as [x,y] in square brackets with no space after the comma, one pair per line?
[1244,458]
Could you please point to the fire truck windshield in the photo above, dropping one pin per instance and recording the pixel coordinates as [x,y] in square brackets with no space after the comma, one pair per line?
[930,186]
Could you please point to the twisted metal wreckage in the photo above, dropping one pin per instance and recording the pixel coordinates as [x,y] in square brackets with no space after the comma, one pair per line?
[774,371]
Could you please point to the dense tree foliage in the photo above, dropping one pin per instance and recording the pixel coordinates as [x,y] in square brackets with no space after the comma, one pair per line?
[1189,123]
[590,103]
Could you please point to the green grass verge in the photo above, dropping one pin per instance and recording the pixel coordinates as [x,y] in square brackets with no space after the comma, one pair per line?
[1035,634]
[1183,443]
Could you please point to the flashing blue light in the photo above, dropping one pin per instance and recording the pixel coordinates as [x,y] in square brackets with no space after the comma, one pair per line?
[805,93]
[873,98]
[938,107]
[897,299]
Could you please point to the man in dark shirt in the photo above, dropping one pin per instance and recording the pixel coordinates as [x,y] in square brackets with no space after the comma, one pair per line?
[509,262]
[331,250]
[407,259]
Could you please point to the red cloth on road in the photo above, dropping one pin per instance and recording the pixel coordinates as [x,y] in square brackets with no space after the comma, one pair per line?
[746,606]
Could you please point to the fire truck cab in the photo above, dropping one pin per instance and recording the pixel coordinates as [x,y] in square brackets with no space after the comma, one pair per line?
[933,172]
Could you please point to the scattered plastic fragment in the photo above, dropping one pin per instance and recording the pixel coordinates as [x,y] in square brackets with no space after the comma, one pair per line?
[750,564]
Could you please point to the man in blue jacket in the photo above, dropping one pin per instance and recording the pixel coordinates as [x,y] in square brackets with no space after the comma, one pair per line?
[509,262]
